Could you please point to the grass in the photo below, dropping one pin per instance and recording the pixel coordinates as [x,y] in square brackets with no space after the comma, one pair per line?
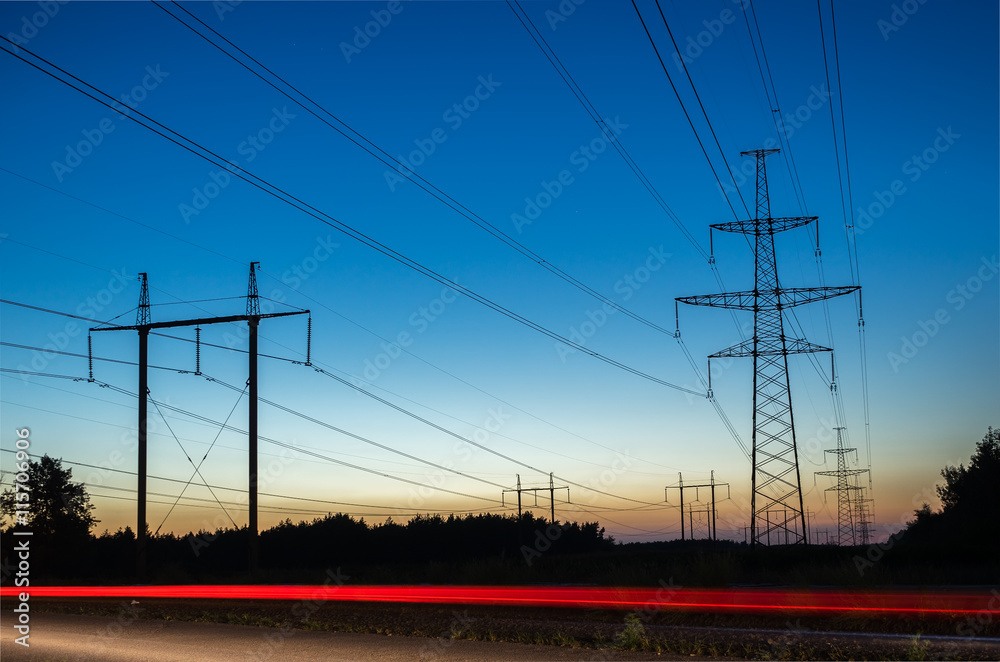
[604,632]
[918,650]
[633,637]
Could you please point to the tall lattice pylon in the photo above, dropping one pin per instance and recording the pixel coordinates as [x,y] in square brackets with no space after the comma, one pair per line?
[775,480]
[863,515]
[851,517]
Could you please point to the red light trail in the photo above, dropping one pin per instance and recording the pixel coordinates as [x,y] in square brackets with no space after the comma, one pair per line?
[859,603]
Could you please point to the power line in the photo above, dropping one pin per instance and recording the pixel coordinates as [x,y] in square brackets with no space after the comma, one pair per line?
[374,150]
[775,108]
[670,79]
[591,110]
[365,439]
[298,449]
[700,104]
[317,369]
[578,92]
[338,314]
[235,489]
[291,200]
[847,202]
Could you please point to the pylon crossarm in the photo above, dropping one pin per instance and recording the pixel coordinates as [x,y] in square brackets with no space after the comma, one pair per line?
[796,296]
[754,226]
[750,299]
[197,322]
[746,349]
[733,300]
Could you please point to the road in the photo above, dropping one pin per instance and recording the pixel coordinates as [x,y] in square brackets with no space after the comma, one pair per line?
[77,638]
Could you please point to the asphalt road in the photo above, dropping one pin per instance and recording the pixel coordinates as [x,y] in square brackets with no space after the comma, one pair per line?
[59,637]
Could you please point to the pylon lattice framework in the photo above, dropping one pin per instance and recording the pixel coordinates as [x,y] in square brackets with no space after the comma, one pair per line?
[852,526]
[775,479]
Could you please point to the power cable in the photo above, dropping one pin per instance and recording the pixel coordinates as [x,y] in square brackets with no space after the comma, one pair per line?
[284,196]
[384,157]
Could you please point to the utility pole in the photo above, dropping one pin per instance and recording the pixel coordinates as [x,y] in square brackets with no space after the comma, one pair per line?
[551,489]
[142,321]
[144,325]
[848,514]
[680,486]
[775,479]
[253,321]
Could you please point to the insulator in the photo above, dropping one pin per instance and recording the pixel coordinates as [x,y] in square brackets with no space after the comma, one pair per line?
[309,336]
[197,350]
[90,356]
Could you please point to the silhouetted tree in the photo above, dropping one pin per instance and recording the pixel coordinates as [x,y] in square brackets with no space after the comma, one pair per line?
[970,501]
[59,515]
[57,507]
[976,487]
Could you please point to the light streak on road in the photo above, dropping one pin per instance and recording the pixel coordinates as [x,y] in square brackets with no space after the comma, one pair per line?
[833,602]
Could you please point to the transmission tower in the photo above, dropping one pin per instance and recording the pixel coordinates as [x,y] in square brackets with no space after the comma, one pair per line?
[775,480]
[144,325]
[863,515]
[551,489]
[850,511]
[711,512]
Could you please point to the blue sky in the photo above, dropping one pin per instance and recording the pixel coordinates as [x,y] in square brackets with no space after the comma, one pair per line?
[920,106]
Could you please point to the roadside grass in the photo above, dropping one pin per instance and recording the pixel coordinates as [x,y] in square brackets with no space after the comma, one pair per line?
[607,633]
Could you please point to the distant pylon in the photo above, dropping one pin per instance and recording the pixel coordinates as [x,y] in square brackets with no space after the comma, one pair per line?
[850,509]
[862,520]
[775,480]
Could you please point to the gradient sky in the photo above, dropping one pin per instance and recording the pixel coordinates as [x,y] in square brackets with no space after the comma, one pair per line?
[925,88]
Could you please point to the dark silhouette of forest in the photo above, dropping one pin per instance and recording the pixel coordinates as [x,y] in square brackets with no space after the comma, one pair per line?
[970,503]
[956,544]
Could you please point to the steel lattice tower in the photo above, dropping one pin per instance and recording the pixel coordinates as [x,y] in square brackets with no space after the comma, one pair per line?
[775,479]
[253,298]
[863,516]
[850,510]
[142,314]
